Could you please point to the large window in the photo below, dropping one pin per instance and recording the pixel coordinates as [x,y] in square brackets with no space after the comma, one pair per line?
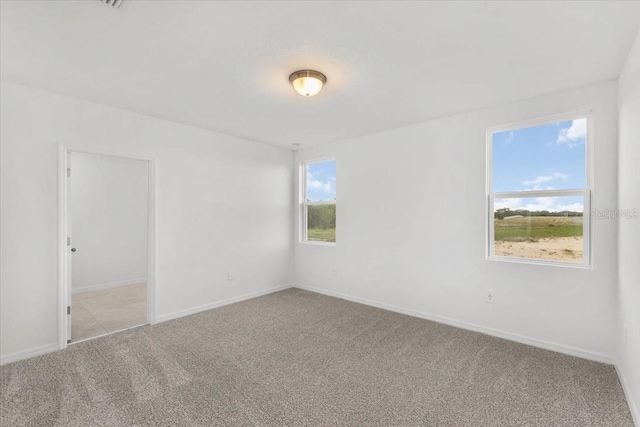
[539,192]
[319,201]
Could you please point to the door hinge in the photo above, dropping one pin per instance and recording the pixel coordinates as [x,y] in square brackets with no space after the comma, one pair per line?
[68,172]
[68,241]
[68,310]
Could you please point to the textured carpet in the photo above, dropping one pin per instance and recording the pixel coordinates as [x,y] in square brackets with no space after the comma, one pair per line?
[299,358]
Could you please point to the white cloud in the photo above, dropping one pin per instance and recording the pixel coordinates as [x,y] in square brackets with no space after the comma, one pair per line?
[573,135]
[538,204]
[509,138]
[574,207]
[316,184]
[512,204]
[545,178]
[539,188]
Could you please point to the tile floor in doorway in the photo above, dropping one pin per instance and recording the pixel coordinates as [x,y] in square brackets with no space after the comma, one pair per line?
[100,312]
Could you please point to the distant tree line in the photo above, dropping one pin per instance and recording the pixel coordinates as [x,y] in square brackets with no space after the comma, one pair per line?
[506,212]
[321,216]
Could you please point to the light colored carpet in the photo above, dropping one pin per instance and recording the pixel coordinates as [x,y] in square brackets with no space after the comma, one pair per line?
[298,358]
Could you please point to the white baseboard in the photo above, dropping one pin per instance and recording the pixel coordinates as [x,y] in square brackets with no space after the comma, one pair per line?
[227,301]
[635,412]
[27,354]
[572,351]
[547,345]
[109,285]
[38,351]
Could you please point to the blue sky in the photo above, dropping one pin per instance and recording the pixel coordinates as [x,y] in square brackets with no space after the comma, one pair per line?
[545,157]
[321,181]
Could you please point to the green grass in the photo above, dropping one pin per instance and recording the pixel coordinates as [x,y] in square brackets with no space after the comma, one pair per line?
[533,228]
[321,235]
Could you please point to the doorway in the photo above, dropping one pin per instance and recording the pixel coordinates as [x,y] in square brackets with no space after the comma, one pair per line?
[107,224]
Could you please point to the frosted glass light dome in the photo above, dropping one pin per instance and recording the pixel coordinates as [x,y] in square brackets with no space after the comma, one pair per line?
[307,82]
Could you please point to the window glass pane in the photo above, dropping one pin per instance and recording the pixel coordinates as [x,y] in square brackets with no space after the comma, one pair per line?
[321,223]
[545,228]
[545,157]
[321,181]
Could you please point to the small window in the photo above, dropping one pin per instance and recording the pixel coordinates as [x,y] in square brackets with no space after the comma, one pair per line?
[538,185]
[319,202]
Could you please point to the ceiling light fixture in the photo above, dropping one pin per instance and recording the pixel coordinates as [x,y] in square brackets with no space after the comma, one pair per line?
[307,82]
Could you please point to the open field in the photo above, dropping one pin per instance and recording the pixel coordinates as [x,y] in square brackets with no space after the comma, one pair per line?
[321,235]
[537,237]
[530,229]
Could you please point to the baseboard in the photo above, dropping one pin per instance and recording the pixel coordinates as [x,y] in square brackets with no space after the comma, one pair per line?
[227,301]
[109,285]
[547,345]
[27,354]
[38,351]
[635,412]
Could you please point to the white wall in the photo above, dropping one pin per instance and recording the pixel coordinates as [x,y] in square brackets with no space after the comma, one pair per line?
[411,230]
[222,204]
[109,204]
[629,228]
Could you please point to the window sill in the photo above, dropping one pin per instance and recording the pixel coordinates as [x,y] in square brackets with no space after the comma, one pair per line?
[314,243]
[540,262]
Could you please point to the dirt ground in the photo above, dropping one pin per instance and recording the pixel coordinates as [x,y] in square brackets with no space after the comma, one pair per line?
[556,249]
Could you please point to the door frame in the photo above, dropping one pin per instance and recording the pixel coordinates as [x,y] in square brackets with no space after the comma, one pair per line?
[63,249]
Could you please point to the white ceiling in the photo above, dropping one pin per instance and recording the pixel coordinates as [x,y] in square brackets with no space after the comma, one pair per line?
[224,66]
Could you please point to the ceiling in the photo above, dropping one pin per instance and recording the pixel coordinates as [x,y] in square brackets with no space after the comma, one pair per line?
[224,66]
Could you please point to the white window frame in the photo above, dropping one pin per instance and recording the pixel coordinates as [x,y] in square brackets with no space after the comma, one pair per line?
[304,204]
[587,253]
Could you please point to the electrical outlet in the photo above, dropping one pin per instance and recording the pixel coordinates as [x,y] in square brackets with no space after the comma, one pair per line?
[230,275]
[489,296]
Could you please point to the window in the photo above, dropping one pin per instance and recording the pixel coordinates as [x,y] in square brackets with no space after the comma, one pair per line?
[319,202]
[538,191]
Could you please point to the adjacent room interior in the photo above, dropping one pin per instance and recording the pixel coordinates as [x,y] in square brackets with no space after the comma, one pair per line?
[320,213]
[107,228]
